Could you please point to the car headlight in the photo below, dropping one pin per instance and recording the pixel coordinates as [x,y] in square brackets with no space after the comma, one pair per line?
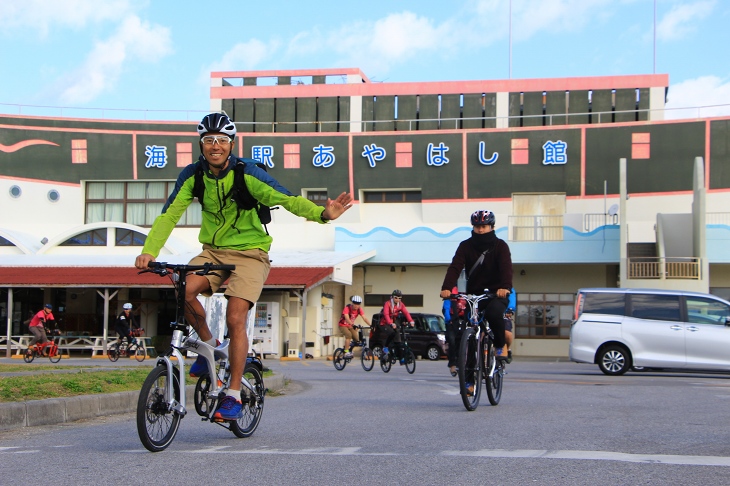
[441,337]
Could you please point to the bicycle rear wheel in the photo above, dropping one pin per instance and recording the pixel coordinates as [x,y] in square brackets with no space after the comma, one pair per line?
[470,372]
[338,359]
[493,373]
[113,353]
[253,403]
[156,423]
[410,361]
[367,358]
[28,356]
[139,354]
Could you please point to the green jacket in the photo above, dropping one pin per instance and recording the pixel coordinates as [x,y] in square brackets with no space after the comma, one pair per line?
[222,225]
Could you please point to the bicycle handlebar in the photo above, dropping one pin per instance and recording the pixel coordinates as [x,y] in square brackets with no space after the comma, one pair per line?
[164,268]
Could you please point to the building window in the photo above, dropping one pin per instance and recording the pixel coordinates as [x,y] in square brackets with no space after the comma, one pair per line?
[90,238]
[640,145]
[184,154]
[392,196]
[291,155]
[404,154]
[79,152]
[317,197]
[544,316]
[133,202]
[127,237]
[520,151]
[378,300]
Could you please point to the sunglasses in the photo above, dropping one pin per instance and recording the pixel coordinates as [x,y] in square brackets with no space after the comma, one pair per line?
[223,140]
[397,298]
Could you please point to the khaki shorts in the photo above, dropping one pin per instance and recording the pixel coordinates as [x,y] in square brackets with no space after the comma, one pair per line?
[246,281]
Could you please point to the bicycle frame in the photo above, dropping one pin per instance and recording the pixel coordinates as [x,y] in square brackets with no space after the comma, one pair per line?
[180,342]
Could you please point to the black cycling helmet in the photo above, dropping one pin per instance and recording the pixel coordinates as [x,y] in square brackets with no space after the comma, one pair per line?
[397,293]
[482,217]
[48,306]
[216,123]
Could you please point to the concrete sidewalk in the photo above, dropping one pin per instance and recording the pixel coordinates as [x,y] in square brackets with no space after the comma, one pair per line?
[51,411]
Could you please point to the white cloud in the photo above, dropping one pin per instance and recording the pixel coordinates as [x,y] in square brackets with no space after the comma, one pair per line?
[134,41]
[41,15]
[701,97]
[680,20]
[246,56]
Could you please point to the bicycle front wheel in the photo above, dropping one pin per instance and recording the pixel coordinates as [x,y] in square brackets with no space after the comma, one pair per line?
[54,354]
[493,374]
[385,362]
[470,372]
[410,361]
[253,403]
[367,359]
[139,354]
[156,423]
[338,359]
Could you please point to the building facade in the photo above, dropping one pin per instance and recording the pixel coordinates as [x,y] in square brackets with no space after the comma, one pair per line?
[590,184]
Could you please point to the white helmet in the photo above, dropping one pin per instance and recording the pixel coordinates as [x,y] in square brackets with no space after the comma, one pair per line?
[127,306]
[356,299]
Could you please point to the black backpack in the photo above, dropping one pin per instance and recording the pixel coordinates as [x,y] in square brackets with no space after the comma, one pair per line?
[239,193]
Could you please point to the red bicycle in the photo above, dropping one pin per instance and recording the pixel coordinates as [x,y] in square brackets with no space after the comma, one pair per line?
[48,349]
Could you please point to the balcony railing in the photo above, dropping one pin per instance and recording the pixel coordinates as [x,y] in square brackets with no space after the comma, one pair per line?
[536,228]
[592,221]
[664,268]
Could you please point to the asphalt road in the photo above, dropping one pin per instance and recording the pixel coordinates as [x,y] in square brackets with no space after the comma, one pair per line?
[558,423]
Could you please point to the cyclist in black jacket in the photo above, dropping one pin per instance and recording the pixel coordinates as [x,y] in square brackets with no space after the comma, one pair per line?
[493,273]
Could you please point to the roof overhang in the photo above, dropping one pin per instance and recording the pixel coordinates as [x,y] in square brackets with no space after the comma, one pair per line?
[298,270]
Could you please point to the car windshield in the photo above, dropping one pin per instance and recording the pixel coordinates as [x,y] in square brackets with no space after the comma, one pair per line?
[435,323]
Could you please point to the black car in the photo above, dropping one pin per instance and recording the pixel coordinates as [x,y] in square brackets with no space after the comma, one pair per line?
[427,338]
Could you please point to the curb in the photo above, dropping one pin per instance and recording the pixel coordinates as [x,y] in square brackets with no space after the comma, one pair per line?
[16,415]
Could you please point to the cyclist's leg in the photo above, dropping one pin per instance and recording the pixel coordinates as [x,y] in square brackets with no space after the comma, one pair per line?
[494,312]
[509,337]
[244,287]
[451,340]
[36,332]
[236,314]
[194,310]
[389,335]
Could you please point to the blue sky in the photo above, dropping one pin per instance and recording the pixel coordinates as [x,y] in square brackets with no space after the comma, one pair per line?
[157,55]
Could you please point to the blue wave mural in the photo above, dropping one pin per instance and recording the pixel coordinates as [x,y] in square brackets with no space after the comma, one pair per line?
[426,246]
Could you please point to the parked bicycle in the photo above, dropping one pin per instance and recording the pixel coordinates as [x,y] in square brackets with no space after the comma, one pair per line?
[49,350]
[340,357]
[134,348]
[408,358]
[161,402]
[477,361]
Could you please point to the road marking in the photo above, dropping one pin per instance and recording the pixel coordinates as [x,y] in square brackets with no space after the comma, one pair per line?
[597,456]
[315,451]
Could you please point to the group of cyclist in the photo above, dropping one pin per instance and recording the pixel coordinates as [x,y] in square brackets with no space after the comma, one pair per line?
[232,232]
[487,264]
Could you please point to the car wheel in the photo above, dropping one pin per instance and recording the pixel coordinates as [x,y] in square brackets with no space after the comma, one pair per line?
[614,360]
[433,353]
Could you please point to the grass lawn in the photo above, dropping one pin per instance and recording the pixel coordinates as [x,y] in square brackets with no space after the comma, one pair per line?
[84,381]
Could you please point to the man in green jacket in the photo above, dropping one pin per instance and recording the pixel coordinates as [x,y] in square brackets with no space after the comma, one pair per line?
[229,235]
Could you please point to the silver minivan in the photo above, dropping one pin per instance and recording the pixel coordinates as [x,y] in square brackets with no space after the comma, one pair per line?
[621,329]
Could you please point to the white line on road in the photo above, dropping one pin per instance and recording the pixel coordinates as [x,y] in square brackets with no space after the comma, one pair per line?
[597,456]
